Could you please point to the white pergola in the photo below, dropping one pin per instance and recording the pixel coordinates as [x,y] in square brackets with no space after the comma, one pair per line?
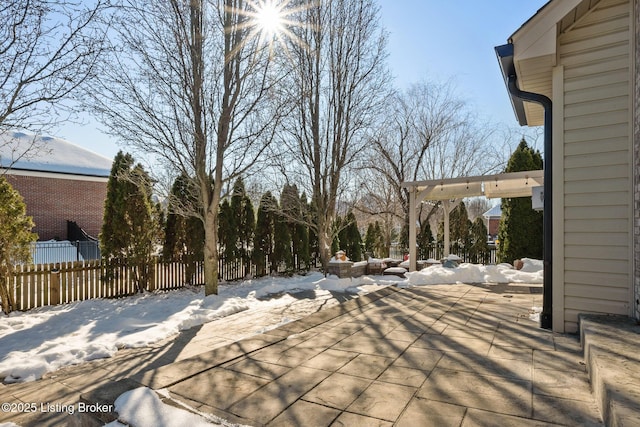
[451,191]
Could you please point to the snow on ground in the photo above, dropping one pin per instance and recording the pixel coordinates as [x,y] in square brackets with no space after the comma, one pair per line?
[531,272]
[46,339]
[143,407]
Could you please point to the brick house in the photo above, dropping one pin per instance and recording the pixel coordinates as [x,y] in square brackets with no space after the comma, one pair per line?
[492,218]
[59,182]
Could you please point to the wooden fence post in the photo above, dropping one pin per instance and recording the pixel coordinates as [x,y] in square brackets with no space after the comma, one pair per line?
[152,274]
[54,292]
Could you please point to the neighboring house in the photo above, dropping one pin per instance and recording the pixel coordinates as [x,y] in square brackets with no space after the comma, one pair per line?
[59,182]
[584,55]
[492,218]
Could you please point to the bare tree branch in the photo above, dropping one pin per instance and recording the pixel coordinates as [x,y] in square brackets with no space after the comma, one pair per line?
[337,85]
[429,133]
[47,50]
[189,85]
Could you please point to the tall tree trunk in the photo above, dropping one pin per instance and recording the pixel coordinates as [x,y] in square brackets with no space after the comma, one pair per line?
[324,240]
[8,304]
[191,88]
[211,250]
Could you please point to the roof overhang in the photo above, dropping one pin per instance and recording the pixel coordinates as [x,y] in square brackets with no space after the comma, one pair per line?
[52,175]
[504,185]
[531,53]
[507,67]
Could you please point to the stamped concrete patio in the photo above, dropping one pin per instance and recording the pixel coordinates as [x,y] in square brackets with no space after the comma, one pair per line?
[439,355]
[458,355]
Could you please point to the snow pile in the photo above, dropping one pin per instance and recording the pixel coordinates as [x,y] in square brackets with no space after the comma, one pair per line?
[531,265]
[534,313]
[276,285]
[316,281]
[143,407]
[475,273]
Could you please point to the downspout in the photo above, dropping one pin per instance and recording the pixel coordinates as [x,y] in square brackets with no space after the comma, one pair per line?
[547,297]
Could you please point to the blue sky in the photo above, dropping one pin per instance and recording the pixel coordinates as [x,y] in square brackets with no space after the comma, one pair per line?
[436,40]
[443,39]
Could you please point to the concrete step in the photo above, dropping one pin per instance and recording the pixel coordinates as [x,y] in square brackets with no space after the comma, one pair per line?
[611,346]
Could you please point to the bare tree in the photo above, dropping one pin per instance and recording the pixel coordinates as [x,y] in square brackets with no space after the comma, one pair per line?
[337,86]
[429,133]
[47,49]
[377,201]
[477,206]
[189,85]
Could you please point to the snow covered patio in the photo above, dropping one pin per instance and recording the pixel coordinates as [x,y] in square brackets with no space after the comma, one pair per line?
[422,355]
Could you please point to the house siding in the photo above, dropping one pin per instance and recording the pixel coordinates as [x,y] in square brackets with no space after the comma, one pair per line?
[637,160]
[53,201]
[597,184]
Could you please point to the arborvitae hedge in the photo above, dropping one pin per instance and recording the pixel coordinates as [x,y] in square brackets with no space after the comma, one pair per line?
[479,249]
[184,235]
[520,233]
[128,231]
[350,239]
[115,234]
[15,237]
[425,241]
[263,237]
[244,221]
[374,241]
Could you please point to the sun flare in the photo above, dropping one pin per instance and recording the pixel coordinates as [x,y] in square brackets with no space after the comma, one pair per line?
[270,18]
[273,23]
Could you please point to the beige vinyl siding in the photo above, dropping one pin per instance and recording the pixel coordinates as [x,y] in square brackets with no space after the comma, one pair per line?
[597,187]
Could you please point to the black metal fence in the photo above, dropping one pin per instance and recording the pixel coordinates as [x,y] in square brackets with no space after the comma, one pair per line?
[437,252]
[64,251]
[237,268]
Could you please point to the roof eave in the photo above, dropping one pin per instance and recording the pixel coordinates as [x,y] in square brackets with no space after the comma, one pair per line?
[54,175]
[531,53]
[507,67]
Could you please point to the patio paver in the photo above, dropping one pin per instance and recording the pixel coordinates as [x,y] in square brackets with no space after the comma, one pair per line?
[438,355]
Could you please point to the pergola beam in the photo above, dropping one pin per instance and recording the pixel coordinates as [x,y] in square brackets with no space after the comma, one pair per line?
[453,190]
[536,175]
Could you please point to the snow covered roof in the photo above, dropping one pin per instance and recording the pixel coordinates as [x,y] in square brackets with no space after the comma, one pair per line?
[49,154]
[494,212]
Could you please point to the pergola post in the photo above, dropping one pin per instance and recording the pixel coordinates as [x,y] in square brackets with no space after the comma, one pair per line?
[413,255]
[447,243]
[449,206]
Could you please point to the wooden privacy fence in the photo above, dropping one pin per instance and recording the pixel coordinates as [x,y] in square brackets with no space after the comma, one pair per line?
[39,285]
